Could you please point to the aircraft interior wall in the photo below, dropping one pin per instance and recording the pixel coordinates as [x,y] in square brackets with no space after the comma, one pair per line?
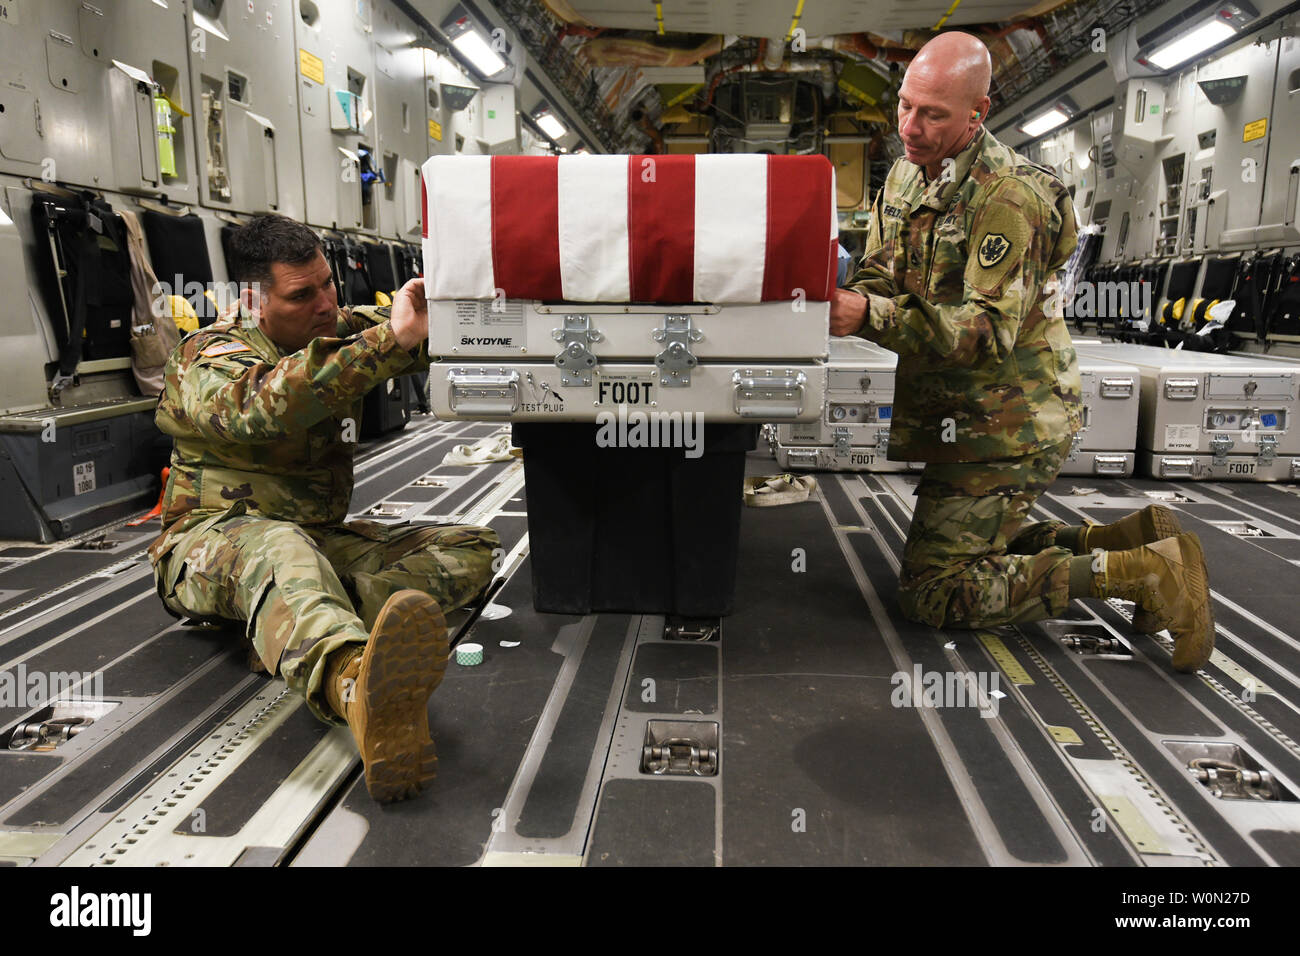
[278,106]
[1170,177]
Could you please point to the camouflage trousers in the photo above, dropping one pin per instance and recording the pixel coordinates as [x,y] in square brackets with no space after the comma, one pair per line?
[970,559]
[307,591]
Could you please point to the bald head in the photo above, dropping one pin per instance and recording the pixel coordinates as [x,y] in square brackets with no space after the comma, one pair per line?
[958,60]
[943,98]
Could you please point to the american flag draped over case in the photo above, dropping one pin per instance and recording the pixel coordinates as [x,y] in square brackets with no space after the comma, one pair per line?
[734,228]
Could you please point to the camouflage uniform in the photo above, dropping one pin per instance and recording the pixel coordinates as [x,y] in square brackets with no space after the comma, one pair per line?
[988,389]
[260,483]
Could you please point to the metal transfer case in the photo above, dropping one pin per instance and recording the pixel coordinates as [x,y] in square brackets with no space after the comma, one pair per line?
[1206,416]
[852,432]
[561,288]
[1106,444]
[635,318]
[533,361]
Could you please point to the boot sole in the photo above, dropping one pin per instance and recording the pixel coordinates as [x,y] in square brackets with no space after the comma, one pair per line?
[1164,523]
[404,663]
[1196,581]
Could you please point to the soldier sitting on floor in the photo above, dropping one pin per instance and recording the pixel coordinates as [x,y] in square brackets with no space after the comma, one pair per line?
[264,408]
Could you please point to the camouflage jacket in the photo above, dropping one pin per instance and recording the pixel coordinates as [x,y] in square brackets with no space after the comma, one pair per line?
[259,431]
[957,272]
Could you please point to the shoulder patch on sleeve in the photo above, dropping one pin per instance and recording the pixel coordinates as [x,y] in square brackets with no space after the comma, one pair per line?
[1002,234]
[993,249]
[225,348]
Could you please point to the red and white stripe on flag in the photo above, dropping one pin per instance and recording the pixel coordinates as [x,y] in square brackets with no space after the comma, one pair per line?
[657,229]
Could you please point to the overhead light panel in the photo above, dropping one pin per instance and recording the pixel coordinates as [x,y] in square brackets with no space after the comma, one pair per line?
[551,126]
[1205,34]
[471,42]
[476,50]
[1045,121]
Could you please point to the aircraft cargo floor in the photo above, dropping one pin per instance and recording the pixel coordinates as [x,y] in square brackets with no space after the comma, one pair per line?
[1069,743]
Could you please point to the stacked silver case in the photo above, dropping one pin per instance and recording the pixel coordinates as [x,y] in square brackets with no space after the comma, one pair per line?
[852,432]
[1106,444]
[1213,417]
[529,361]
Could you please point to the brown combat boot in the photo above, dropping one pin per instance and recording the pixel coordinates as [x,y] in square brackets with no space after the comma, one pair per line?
[1153,523]
[1169,579]
[383,689]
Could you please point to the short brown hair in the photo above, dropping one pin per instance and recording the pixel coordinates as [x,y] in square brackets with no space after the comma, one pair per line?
[267,239]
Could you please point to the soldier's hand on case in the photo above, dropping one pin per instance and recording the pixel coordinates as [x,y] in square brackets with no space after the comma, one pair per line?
[848,312]
[410,315]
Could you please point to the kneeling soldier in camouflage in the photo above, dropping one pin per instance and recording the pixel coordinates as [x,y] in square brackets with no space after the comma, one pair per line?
[264,409]
[964,237]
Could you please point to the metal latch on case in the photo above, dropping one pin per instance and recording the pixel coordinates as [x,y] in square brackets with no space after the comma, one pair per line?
[1267,449]
[1220,445]
[768,393]
[483,391]
[843,441]
[676,360]
[1116,388]
[575,360]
